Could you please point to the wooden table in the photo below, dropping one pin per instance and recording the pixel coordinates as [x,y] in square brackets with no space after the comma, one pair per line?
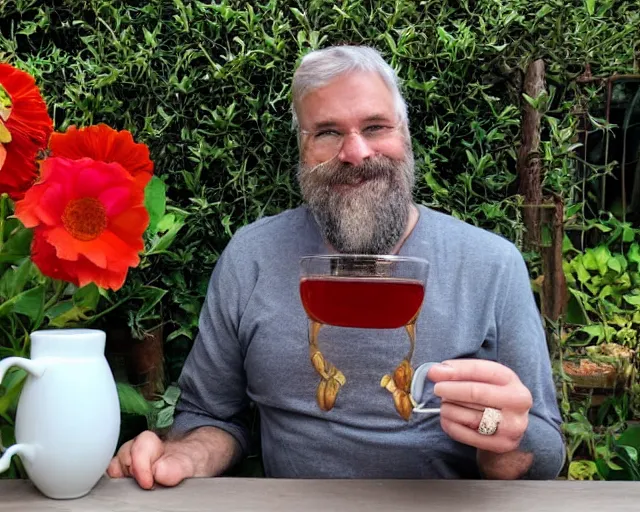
[240,494]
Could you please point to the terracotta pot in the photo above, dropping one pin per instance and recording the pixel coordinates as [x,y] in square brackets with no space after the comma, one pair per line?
[592,375]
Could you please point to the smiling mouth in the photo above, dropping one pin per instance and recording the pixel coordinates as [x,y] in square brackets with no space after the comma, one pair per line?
[353,184]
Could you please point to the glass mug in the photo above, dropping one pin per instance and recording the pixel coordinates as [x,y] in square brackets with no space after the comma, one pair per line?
[367,292]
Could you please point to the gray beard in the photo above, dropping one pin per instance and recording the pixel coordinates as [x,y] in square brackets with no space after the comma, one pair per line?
[369,219]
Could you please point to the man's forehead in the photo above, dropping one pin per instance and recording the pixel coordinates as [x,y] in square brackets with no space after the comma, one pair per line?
[356,97]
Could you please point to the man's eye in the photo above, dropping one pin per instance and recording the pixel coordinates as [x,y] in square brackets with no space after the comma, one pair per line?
[326,133]
[375,128]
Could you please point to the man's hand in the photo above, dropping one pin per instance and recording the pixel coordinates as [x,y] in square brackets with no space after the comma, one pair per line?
[205,452]
[145,459]
[466,387]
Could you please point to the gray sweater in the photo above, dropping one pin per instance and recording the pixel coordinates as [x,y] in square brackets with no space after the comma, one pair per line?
[252,346]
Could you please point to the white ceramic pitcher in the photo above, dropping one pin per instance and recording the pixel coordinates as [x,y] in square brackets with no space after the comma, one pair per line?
[68,414]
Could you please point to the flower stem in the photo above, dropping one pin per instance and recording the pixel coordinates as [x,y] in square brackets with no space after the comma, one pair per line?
[109,309]
[59,288]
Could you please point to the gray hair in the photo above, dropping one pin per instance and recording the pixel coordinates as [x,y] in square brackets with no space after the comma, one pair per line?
[319,67]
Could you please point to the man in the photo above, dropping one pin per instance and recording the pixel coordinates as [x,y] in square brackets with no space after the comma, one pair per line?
[479,317]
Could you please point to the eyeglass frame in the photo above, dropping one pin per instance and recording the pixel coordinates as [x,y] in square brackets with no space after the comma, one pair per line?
[390,129]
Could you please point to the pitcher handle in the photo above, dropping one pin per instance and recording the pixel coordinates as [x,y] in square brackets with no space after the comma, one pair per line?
[36,369]
[417,388]
[26,451]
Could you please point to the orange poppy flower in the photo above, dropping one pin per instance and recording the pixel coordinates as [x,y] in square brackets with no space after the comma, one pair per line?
[103,143]
[25,127]
[89,219]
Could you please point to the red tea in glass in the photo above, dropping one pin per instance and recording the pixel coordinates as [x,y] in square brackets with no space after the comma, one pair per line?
[365,302]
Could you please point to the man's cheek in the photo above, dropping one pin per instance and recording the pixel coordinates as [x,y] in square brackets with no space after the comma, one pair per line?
[393,149]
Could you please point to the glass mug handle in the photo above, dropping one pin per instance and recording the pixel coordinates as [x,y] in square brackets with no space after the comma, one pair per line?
[417,388]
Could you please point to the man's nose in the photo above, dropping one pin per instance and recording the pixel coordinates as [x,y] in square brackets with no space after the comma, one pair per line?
[355,149]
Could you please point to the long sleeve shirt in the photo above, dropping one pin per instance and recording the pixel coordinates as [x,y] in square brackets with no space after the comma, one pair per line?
[253,347]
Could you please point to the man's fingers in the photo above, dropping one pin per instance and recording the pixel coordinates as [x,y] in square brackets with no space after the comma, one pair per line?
[470,418]
[121,463]
[476,370]
[171,469]
[115,470]
[145,451]
[464,404]
[510,429]
[496,443]
[486,395]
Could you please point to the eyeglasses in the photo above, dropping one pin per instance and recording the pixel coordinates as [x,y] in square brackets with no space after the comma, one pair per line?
[327,143]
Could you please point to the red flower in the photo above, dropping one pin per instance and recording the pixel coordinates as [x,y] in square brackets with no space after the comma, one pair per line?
[25,127]
[103,143]
[89,218]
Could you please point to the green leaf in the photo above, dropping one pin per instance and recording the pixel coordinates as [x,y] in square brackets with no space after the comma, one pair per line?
[591,6]
[531,101]
[589,261]
[299,16]
[624,264]
[150,296]
[155,201]
[628,234]
[613,465]
[581,271]
[162,242]
[21,276]
[166,222]
[15,279]
[171,395]
[631,452]
[603,469]
[601,227]
[582,470]
[597,259]
[593,331]
[543,11]
[87,297]
[390,42]
[59,308]
[605,292]
[14,383]
[131,401]
[165,417]
[433,184]
[634,253]
[472,158]
[566,244]
[614,265]
[576,313]
[31,303]
[632,299]
[630,437]
[17,246]
[65,313]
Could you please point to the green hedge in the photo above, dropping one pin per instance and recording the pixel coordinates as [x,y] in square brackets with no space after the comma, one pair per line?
[206,86]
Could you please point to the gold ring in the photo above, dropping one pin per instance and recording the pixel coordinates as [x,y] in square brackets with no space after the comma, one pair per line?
[489,422]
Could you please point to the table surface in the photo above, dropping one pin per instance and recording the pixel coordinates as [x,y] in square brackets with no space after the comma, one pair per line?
[242,494]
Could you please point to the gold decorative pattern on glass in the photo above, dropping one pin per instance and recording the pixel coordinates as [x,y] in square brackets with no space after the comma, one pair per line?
[366,292]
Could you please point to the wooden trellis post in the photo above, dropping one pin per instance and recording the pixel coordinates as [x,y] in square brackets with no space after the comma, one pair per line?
[554,286]
[528,165]
[540,214]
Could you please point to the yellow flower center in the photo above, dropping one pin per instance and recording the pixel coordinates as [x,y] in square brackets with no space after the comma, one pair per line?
[85,218]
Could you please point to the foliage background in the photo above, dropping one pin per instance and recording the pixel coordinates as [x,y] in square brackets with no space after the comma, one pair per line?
[206,86]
